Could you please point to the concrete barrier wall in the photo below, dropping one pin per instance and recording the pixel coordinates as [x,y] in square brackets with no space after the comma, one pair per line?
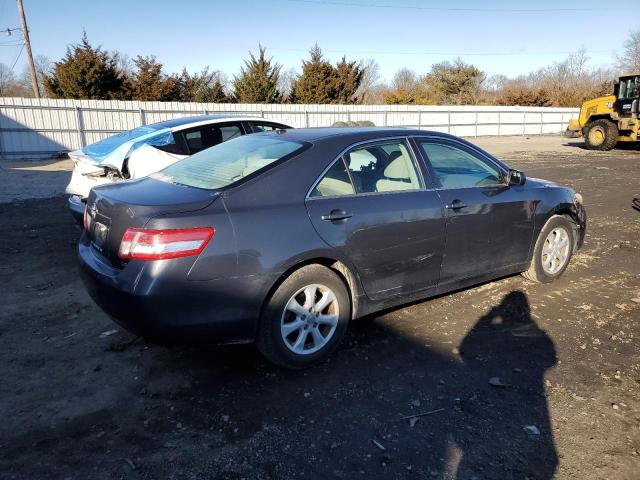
[32,128]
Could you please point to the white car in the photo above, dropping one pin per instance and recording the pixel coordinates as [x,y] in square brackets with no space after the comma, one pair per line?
[144,150]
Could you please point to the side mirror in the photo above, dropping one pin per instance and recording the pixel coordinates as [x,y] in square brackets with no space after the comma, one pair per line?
[516,177]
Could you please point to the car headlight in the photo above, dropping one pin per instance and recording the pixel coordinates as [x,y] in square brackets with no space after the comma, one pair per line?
[578,198]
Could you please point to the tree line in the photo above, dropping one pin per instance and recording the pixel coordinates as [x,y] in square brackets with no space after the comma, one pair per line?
[89,72]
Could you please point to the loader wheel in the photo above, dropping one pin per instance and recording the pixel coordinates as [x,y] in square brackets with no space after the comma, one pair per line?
[601,135]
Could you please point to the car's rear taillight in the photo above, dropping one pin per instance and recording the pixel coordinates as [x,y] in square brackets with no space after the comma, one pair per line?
[144,244]
[85,218]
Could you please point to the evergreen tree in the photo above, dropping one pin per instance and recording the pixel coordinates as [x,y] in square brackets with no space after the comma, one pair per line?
[321,82]
[85,73]
[203,87]
[149,83]
[317,84]
[348,77]
[258,81]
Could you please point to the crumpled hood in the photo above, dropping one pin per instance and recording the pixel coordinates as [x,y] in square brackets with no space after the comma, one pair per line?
[112,151]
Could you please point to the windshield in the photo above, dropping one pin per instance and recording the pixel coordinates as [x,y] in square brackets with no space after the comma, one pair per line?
[106,146]
[629,88]
[226,163]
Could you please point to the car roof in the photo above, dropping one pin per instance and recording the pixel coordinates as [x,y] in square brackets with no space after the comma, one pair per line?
[343,137]
[350,134]
[176,124]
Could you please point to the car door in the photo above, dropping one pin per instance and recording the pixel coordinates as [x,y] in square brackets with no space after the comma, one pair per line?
[206,136]
[371,203]
[489,224]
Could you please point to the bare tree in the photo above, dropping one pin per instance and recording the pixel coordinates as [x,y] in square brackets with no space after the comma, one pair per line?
[404,79]
[367,91]
[44,67]
[285,81]
[629,61]
[7,80]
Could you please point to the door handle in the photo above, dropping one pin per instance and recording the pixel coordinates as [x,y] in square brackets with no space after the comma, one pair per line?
[336,216]
[455,205]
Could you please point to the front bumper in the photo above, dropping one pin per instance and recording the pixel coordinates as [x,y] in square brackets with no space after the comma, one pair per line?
[156,300]
[581,213]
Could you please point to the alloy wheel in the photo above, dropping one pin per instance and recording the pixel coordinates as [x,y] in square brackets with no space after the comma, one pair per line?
[555,250]
[309,319]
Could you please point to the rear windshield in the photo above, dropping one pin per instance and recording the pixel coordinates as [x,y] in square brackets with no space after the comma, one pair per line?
[229,162]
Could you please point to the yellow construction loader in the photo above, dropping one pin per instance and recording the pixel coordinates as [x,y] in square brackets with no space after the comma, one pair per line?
[605,121]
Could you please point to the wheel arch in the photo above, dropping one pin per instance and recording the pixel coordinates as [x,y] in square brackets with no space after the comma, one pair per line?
[339,267]
[571,215]
[602,116]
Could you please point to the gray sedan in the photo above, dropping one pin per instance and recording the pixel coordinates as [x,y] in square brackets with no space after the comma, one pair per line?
[284,237]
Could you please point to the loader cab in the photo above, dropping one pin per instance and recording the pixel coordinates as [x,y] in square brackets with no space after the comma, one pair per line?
[627,89]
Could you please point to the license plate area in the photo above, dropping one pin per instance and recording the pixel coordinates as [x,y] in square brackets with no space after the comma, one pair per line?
[100,232]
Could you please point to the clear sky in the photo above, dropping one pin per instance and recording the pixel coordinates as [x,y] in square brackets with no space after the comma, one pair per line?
[508,37]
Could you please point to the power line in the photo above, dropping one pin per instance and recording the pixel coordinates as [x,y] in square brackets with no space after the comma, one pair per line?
[440,53]
[449,9]
[17,57]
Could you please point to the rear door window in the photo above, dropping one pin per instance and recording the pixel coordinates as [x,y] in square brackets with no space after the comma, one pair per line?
[335,182]
[383,167]
[258,127]
[194,140]
[200,138]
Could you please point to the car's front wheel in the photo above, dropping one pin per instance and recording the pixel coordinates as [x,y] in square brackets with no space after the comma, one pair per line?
[305,318]
[553,250]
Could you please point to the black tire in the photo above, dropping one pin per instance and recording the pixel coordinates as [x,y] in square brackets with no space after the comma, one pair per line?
[601,135]
[536,271]
[270,340]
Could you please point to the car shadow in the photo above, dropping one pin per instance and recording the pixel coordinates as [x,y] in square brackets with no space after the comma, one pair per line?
[386,403]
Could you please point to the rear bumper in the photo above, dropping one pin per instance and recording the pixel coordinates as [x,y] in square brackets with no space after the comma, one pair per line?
[161,304]
[76,207]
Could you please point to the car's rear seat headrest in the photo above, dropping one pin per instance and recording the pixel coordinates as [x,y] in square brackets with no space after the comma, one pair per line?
[397,168]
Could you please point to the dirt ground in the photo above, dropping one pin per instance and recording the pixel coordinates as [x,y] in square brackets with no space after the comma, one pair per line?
[512,380]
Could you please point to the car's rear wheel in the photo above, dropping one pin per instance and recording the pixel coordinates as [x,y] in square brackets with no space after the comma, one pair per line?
[553,250]
[305,318]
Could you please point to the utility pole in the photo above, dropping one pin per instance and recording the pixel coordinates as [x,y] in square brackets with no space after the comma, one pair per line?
[27,43]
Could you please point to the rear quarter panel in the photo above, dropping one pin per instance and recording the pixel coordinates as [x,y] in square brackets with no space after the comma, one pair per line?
[272,227]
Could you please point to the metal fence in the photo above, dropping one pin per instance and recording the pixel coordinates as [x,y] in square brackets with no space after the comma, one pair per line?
[33,128]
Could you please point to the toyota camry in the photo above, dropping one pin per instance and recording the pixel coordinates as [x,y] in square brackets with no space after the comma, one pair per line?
[282,238]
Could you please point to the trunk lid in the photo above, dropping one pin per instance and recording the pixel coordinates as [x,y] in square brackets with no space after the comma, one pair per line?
[84,164]
[113,208]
